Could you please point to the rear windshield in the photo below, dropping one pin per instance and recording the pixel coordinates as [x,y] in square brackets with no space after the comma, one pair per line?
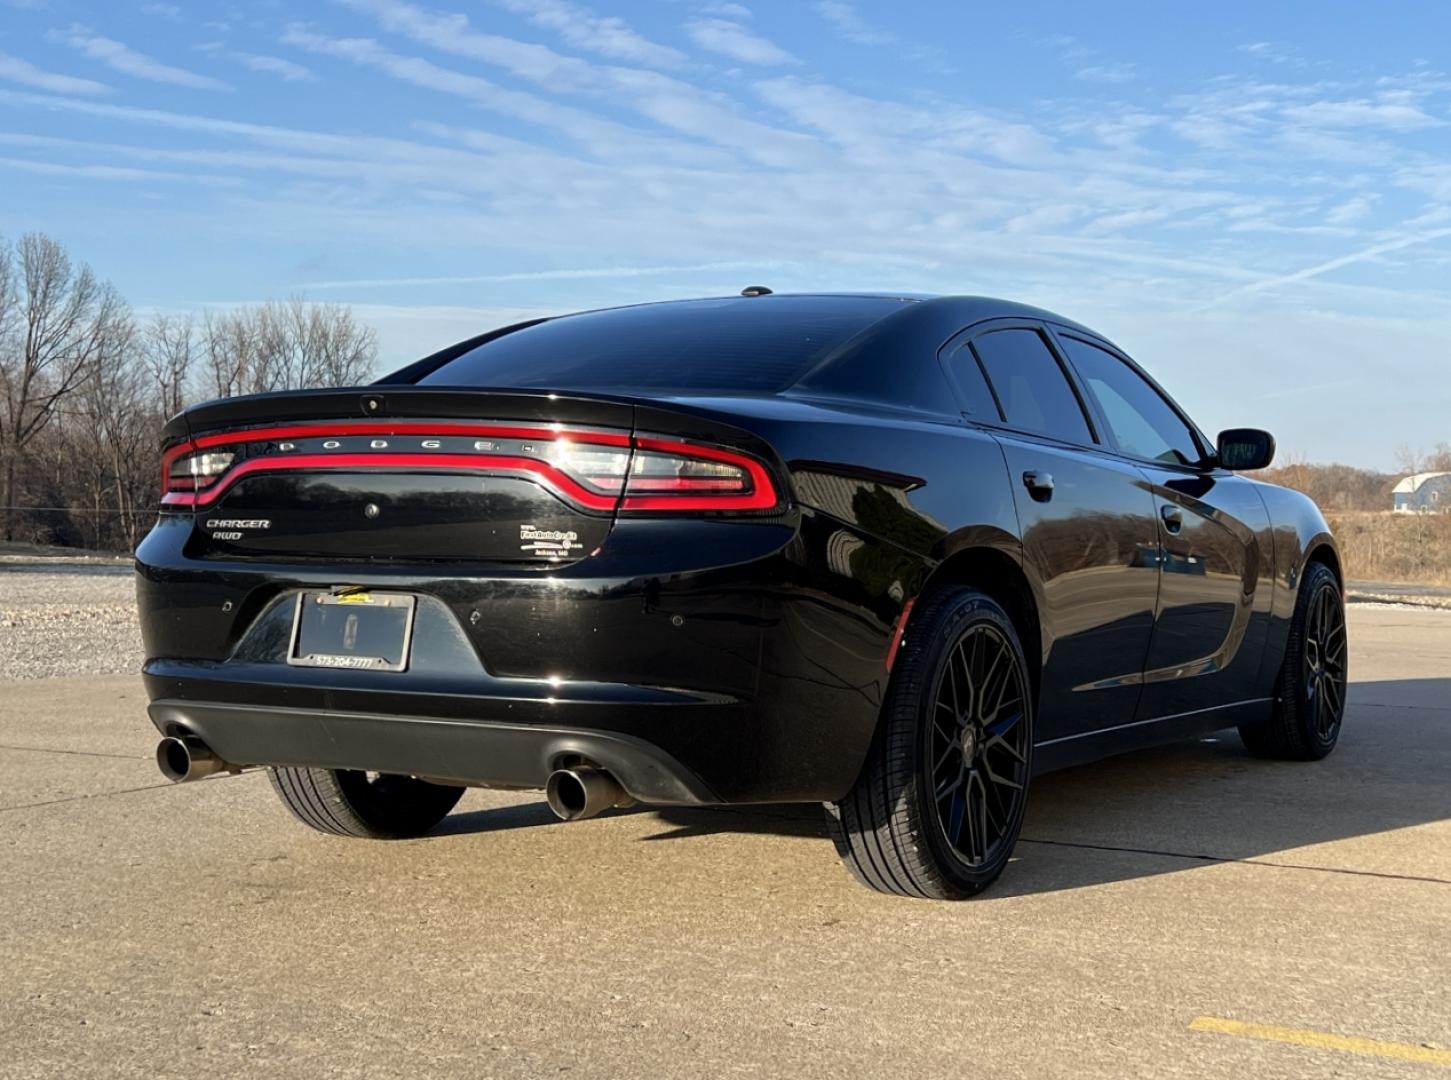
[740,344]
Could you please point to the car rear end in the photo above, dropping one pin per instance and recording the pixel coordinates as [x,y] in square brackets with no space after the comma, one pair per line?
[480,586]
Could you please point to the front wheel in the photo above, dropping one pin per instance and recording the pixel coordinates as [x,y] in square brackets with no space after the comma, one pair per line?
[1310,692]
[376,806]
[939,804]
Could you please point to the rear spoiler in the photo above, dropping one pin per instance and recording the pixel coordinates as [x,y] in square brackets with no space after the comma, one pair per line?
[387,401]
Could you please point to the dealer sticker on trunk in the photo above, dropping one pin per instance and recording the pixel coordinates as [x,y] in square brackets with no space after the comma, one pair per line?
[552,542]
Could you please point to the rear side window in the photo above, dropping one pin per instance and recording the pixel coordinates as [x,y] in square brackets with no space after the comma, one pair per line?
[1030,384]
[977,398]
[1142,422]
[738,344]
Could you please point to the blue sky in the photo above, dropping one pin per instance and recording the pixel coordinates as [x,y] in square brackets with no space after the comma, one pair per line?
[1254,200]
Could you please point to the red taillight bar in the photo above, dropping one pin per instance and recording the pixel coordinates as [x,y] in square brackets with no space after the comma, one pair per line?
[666,494]
[313,431]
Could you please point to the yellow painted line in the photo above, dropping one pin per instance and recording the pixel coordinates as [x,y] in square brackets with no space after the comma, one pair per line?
[1324,1040]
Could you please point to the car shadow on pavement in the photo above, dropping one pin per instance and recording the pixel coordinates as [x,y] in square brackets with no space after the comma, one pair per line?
[683,821]
[1172,808]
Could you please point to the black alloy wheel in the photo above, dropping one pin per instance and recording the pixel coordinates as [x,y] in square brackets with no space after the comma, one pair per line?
[939,803]
[1309,707]
[976,745]
[1325,670]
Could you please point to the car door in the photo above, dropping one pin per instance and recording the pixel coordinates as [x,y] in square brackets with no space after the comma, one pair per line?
[1213,538]
[1090,543]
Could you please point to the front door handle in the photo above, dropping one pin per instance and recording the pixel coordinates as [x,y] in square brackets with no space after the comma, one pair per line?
[1173,517]
[1039,484]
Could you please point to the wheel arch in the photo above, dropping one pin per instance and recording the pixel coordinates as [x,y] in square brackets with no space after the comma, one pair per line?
[997,573]
[1322,550]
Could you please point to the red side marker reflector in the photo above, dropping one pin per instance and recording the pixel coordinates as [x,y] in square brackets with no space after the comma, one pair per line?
[899,631]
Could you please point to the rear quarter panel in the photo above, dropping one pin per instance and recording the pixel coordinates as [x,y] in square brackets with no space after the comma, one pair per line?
[884,497]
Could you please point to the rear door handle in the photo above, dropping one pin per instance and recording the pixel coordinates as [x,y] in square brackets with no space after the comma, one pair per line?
[1039,484]
[1173,517]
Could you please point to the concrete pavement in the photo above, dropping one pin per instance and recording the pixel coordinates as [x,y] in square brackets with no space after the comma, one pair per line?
[153,930]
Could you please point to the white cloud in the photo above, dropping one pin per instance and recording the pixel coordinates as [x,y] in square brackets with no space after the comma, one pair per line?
[577,274]
[1273,53]
[662,99]
[731,39]
[848,22]
[1434,180]
[1396,115]
[599,135]
[606,35]
[128,61]
[27,74]
[452,33]
[287,70]
[1384,247]
[93,171]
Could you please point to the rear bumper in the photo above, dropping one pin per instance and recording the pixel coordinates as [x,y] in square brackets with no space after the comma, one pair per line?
[712,662]
[464,751]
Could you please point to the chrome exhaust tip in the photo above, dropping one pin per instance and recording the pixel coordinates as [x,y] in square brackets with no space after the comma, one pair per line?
[187,758]
[582,792]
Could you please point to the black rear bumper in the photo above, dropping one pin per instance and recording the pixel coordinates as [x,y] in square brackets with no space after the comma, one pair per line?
[483,752]
[700,662]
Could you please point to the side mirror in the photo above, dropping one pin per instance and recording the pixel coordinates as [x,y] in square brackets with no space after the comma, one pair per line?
[1246,448]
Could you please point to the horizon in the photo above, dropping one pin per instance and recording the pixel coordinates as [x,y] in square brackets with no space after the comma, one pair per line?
[1256,207]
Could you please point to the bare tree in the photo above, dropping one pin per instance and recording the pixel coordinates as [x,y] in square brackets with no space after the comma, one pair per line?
[85,388]
[227,354]
[170,351]
[60,318]
[285,345]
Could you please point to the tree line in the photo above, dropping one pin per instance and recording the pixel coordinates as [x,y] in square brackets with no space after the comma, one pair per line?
[86,384]
[1347,488]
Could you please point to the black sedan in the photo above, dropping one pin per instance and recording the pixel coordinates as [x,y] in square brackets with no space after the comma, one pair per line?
[894,554]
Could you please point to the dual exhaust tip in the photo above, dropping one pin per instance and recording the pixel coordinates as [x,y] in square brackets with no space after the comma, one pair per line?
[582,792]
[574,794]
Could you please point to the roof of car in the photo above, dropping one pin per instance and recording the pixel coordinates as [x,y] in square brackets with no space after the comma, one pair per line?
[969,307]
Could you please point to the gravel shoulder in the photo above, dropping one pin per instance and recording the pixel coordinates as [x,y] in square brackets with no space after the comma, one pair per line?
[63,617]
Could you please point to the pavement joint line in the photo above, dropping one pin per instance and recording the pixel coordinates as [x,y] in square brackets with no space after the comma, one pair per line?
[1424,879]
[82,753]
[109,794]
[1324,1040]
[1389,705]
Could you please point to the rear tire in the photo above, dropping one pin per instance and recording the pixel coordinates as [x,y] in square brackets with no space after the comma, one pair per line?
[939,803]
[1310,690]
[375,806]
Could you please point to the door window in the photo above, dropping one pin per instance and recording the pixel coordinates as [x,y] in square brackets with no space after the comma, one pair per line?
[1030,385]
[1142,422]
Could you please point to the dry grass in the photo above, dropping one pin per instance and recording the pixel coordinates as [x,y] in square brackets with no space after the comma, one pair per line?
[1394,547]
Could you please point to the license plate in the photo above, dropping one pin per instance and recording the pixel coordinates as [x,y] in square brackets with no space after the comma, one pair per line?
[359,630]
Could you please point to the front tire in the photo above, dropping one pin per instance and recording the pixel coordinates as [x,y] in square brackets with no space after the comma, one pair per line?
[939,804]
[1310,691]
[375,806]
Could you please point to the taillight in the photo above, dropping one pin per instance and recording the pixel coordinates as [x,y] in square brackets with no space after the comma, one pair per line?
[668,476]
[599,468]
[596,470]
[193,472]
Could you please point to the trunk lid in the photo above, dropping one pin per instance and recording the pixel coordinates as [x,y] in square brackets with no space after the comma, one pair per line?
[401,474]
